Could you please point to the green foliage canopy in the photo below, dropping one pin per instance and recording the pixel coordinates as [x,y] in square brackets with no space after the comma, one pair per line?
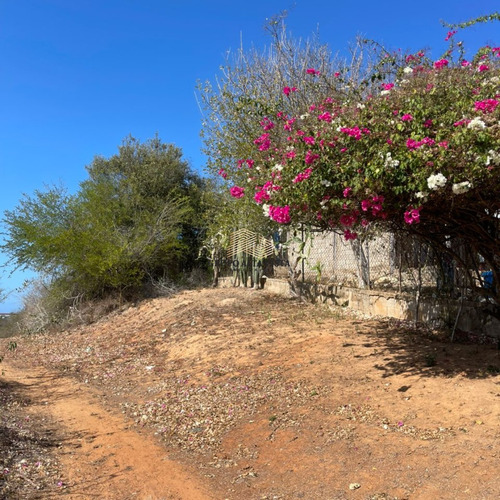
[133,219]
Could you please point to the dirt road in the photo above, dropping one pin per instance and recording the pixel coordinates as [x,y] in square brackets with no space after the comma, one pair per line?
[100,455]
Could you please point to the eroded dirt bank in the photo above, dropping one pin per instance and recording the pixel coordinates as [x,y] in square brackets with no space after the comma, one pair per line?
[238,394]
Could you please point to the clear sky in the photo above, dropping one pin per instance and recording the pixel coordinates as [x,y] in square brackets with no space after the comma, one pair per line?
[78,76]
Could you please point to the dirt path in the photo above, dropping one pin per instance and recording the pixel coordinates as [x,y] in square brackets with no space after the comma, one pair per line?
[100,456]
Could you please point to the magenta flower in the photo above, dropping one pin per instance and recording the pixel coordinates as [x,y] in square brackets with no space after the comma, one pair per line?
[365,205]
[486,106]
[461,123]
[407,118]
[303,175]
[387,86]
[347,192]
[263,142]
[412,216]
[267,124]
[483,67]
[309,140]
[349,235]
[326,116]
[223,173]
[288,90]
[237,192]
[428,123]
[441,63]
[310,158]
[449,35]
[464,63]
[280,214]
[312,71]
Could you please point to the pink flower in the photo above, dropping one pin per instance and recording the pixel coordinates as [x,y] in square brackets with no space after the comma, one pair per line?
[291,154]
[310,158]
[280,214]
[348,235]
[407,118]
[376,206]
[347,192]
[449,35]
[336,74]
[443,144]
[412,216]
[483,67]
[428,123]
[441,63]
[365,205]
[461,123]
[223,173]
[352,132]
[237,192]
[412,144]
[250,163]
[308,140]
[261,195]
[303,175]
[312,71]
[288,124]
[288,90]
[267,124]
[387,86]
[326,116]
[263,142]
[486,106]
[464,63]
[348,220]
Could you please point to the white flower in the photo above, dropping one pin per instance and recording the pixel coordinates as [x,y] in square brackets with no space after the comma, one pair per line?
[476,123]
[325,183]
[461,187]
[384,92]
[493,157]
[421,195]
[304,116]
[278,167]
[360,106]
[389,162]
[408,70]
[402,82]
[265,209]
[436,181]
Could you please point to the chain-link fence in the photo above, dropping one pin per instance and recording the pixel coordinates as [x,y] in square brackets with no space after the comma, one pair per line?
[384,262]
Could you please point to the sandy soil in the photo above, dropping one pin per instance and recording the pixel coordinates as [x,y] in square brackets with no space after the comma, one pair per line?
[239,394]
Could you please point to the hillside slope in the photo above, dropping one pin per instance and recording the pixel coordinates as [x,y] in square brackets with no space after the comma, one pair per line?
[256,396]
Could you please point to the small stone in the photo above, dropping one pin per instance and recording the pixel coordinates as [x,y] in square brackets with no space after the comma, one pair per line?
[354,486]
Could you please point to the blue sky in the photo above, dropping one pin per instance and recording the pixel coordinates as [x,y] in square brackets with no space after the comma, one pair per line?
[78,76]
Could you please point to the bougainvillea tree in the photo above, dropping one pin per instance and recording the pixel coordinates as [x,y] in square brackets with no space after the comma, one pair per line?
[411,145]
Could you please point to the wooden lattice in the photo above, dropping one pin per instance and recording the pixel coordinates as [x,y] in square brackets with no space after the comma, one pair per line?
[251,243]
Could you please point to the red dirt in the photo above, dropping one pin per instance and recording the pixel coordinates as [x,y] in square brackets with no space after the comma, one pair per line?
[239,394]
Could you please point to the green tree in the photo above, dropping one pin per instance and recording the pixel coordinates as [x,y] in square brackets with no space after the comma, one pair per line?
[134,219]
